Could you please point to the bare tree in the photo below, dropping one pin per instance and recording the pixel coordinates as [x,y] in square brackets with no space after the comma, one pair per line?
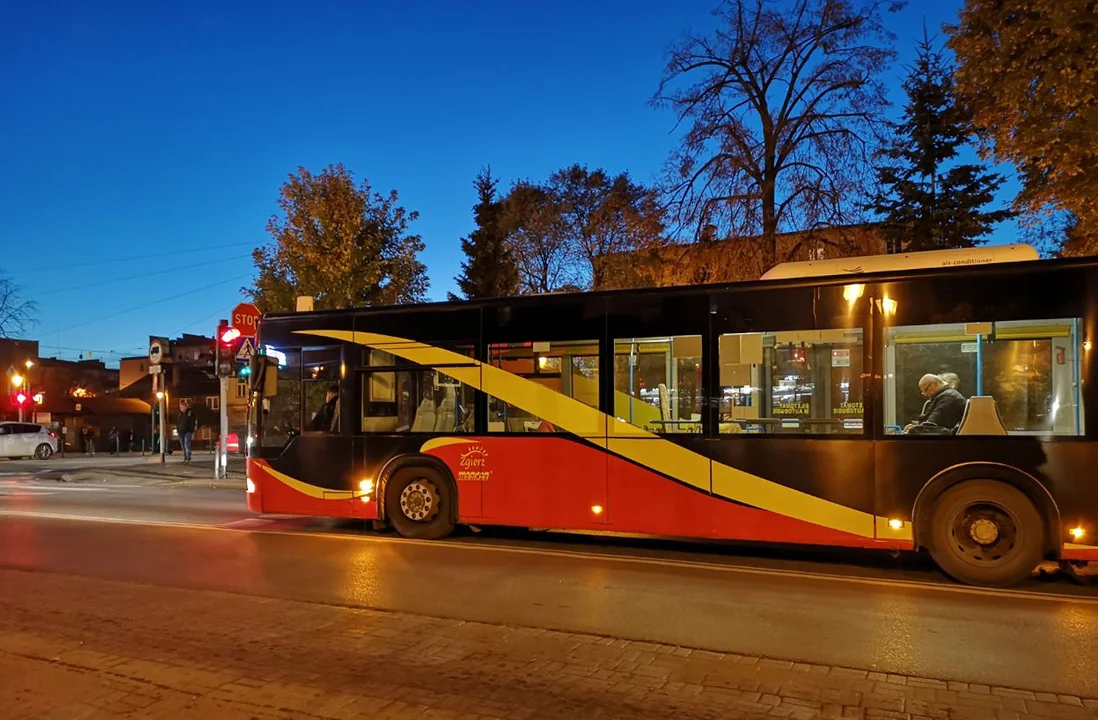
[546,262]
[602,216]
[782,107]
[16,314]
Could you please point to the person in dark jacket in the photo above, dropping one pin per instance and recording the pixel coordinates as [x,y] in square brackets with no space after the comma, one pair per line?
[944,408]
[185,425]
[323,420]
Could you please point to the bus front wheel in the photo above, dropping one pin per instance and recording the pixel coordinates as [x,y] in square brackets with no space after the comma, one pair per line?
[986,533]
[418,503]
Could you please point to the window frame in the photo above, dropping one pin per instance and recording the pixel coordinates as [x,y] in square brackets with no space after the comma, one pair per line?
[1055,293]
[486,351]
[363,371]
[795,308]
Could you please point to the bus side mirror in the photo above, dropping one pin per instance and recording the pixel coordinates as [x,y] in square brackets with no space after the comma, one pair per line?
[270,381]
[263,376]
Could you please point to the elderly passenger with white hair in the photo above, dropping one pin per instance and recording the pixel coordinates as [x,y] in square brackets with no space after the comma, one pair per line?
[944,408]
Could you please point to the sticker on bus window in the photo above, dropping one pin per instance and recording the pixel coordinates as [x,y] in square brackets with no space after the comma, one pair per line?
[852,424]
[968,347]
[840,357]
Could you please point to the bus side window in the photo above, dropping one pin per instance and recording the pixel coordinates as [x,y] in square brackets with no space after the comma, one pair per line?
[1025,372]
[805,382]
[420,401]
[320,370]
[570,368]
[657,383]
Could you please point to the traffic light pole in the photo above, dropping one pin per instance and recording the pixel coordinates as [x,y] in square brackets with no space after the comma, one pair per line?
[223,446]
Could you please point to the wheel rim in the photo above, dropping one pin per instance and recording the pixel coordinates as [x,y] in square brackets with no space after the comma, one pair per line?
[43,452]
[985,534]
[419,500]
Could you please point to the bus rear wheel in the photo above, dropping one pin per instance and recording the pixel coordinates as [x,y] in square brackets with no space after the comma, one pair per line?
[418,503]
[986,533]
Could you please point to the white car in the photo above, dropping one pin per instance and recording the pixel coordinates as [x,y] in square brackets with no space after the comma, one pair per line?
[26,440]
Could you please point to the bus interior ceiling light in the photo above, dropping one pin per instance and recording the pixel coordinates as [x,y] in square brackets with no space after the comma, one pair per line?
[853,292]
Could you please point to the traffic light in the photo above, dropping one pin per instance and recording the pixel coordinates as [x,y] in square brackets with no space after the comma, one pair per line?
[20,398]
[226,338]
[244,371]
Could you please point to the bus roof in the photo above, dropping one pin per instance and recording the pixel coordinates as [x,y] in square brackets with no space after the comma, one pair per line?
[965,257]
[838,271]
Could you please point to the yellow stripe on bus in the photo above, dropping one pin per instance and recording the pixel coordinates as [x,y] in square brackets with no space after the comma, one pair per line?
[305,488]
[620,437]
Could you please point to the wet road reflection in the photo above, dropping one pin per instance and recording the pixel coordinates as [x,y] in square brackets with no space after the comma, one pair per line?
[1013,639]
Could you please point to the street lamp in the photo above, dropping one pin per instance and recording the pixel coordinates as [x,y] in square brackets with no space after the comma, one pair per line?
[29,364]
[17,380]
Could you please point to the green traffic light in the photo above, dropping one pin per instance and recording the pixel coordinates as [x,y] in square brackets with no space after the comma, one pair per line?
[245,371]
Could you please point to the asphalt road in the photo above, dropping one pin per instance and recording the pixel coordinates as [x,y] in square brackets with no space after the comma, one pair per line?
[859,611]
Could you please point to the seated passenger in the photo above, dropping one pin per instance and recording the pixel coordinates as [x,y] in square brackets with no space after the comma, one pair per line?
[943,411]
[950,379]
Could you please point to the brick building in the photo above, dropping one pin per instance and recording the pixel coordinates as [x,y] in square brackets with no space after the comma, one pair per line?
[737,259]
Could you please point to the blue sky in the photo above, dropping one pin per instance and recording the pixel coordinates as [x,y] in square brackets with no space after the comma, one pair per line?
[144,143]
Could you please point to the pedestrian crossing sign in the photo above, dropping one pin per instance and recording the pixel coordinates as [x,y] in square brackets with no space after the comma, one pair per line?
[244,354]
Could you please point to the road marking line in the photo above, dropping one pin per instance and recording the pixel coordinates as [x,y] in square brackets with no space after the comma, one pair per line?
[571,554]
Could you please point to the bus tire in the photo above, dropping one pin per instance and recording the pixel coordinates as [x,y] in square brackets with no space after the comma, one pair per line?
[987,533]
[419,503]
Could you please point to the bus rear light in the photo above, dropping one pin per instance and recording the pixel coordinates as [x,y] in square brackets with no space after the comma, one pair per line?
[596,509]
[1077,533]
[896,524]
[250,486]
[365,498]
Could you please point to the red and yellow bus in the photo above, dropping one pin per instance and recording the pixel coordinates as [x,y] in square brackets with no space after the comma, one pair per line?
[782,410]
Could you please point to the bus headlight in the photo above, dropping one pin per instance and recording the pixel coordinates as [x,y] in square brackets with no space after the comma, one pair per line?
[250,485]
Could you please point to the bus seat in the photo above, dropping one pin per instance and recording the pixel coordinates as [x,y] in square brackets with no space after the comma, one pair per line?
[445,413]
[981,417]
[425,416]
[665,403]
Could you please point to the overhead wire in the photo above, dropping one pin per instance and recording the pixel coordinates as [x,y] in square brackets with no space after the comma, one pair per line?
[128,258]
[160,301]
[140,276]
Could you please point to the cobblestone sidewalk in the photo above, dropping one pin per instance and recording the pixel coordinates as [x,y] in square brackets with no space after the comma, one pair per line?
[81,648]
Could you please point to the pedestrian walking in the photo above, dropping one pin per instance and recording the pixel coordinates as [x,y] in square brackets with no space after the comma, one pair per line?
[87,434]
[113,440]
[185,425]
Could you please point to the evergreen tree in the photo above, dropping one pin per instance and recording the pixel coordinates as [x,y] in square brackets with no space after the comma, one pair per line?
[929,202]
[489,270]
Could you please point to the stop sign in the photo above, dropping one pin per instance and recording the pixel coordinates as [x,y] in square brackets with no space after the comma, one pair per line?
[246,319]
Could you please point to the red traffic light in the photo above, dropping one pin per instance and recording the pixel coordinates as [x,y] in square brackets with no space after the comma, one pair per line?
[229,334]
[20,398]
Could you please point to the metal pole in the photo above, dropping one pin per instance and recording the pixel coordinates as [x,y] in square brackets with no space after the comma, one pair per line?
[152,421]
[163,424]
[223,447]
